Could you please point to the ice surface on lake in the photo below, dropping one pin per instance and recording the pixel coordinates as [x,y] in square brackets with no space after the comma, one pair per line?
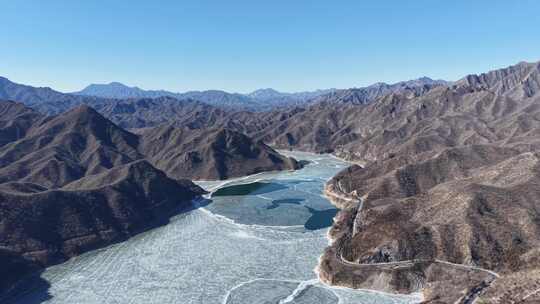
[248,249]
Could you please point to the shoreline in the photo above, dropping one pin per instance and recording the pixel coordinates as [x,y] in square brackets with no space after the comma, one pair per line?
[335,270]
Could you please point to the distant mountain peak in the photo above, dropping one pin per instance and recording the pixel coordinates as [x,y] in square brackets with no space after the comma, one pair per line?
[265,90]
[425,78]
[117,90]
[266,93]
[115,83]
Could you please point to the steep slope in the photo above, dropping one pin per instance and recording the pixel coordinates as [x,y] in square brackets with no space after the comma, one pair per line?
[445,117]
[14,268]
[71,183]
[478,212]
[318,128]
[15,120]
[60,149]
[517,81]
[324,124]
[450,182]
[53,225]
[209,153]
[57,150]
[76,181]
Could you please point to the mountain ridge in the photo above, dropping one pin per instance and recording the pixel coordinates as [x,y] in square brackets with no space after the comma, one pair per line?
[448,183]
[265,98]
[451,176]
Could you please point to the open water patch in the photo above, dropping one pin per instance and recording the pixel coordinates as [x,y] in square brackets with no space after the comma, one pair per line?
[255,188]
[320,218]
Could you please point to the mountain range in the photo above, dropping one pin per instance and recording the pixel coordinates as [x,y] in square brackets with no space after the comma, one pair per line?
[259,100]
[138,108]
[442,198]
[448,178]
[262,99]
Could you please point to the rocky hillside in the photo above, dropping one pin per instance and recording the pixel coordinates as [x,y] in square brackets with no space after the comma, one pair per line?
[324,124]
[102,208]
[209,153]
[370,93]
[425,120]
[71,183]
[448,193]
[15,120]
[518,81]
[76,181]
[445,201]
[57,150]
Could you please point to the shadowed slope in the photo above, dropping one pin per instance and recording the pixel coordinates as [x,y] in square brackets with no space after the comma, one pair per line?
[52,225]
[15,120]
[209,153]
[63,148]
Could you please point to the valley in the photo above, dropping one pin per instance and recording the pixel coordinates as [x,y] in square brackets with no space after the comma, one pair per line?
[269,152]
[433,185]
[240,247]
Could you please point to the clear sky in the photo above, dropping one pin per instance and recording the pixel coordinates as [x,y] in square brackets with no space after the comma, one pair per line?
[239,46]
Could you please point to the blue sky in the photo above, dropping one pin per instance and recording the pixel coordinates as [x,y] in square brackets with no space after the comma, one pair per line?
[240,46]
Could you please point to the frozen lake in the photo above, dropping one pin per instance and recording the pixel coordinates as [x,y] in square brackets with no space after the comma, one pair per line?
[257,241]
